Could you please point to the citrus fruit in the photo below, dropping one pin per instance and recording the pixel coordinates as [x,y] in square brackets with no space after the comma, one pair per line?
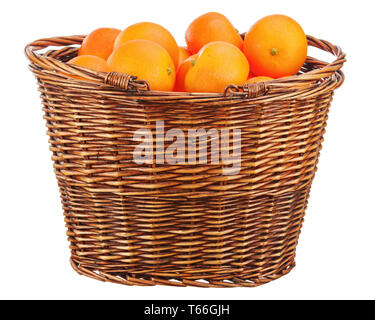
[183,55]
[182,71]
[258,79]
[275,46]
[92,62]
[211,27]
[99,42]
[147,60]
[218,64]
[153,32]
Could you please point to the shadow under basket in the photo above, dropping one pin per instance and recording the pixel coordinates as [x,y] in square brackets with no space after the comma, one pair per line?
[185,223]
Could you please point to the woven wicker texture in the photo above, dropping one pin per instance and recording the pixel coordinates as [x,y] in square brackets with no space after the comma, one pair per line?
[182,224]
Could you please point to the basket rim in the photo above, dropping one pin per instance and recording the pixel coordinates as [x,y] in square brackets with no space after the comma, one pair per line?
[324,75]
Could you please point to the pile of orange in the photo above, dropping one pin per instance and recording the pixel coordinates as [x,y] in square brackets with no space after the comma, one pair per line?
[215,56]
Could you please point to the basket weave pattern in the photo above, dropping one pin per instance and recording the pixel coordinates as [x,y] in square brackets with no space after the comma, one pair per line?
[182,224]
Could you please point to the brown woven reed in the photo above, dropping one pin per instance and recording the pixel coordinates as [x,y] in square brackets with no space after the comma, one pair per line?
[183,224]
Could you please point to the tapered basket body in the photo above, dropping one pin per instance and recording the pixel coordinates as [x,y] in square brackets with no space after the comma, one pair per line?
[183,223]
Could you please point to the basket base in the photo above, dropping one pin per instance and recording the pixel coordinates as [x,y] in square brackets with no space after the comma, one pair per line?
[131,279]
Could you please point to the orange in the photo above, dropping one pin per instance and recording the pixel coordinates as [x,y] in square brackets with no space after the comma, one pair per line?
[258,79]
[183,55]
[99,42]
[211,27]
[251,75]
[275,46]
[147,60]
[182,71]
[218,64]
[153,32]
[92,62]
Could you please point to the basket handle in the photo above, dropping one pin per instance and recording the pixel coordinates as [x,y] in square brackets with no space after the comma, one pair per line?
[48,62]
[127,82]
[332,71]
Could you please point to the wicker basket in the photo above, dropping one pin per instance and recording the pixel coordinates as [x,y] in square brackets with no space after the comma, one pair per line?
[182,224]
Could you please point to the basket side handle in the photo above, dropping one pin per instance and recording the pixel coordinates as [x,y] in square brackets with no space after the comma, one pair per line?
[47,62]
[327,70]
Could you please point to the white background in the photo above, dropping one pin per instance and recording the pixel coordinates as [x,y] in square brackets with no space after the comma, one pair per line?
[335,256]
